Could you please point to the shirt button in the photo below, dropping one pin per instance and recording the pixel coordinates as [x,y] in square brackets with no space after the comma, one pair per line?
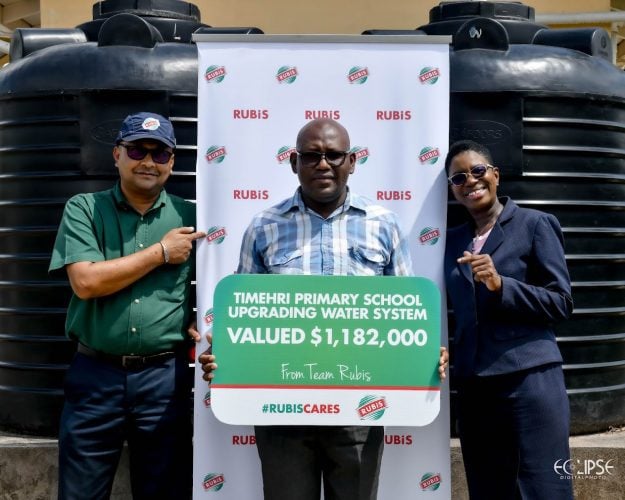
[133,330]
[140,245]
[137,301]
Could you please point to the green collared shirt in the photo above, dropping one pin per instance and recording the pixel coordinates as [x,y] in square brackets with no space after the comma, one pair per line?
[152,314]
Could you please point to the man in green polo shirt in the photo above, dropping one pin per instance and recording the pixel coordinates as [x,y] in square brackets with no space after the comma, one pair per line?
[126,253]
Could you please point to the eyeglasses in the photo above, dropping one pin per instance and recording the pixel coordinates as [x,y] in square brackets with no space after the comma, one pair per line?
[159,154]
[477,172]
[311,159]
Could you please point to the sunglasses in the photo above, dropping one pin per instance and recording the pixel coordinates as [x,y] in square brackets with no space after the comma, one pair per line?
[311,159]
[159,154]
[477,172]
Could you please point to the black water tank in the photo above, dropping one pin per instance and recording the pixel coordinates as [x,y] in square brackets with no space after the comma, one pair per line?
[551,107]
[62,99]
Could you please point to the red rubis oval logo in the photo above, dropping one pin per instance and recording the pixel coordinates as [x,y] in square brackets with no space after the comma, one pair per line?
[216,235]
[430,481]
[429,236]
[371,407]
[213,482]
[358,75]
[215,154]
[215,74]
[429,75]
[286,74]
[209,315]
[362,154]
[429,155]
[284,154]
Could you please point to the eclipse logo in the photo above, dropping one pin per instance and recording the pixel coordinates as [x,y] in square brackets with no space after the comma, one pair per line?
[587,467]
[562,467]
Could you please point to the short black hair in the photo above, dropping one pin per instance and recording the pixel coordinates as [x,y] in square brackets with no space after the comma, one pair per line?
[466,145]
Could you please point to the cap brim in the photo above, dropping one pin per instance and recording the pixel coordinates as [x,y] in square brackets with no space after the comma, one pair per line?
[138,137]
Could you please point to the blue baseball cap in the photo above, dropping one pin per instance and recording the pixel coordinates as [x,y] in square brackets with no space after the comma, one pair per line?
[147,126]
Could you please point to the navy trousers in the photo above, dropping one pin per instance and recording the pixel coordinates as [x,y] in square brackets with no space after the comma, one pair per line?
[295,459]
[513,428]
[106,406]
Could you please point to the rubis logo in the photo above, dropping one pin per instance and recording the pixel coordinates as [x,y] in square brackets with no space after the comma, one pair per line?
[362,154]
[250,114]
[393,114]
[207,399]
[150,124]
[313,114]
[213,481]
[215,154]
[284,154]
[393,195]
[371,407]
[358,75]
[216,235]
[243,440]
[286,74]
[429,235]
[429,75]
[209,316]
[430,481]
[429,155]
[215,74]
[398,439]
[250,194]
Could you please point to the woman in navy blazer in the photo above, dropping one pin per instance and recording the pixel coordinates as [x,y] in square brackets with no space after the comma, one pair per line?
[508,283]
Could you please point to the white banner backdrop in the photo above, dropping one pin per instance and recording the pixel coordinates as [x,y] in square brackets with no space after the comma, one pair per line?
[254,94]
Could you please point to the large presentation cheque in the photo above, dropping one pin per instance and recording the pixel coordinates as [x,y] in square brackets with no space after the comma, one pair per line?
[325,350]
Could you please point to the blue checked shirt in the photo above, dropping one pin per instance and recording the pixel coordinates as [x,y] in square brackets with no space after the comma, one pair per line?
[359,238]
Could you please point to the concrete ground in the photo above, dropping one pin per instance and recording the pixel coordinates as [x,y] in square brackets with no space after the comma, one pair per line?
[28,468]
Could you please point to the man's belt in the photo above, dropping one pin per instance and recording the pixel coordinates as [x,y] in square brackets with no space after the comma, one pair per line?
[134,363]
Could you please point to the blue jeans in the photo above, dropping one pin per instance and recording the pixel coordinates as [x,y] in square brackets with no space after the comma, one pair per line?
[106,406]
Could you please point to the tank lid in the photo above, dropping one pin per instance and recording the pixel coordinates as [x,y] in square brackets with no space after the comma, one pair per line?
[172,9]
[481,33]
[446,11]
[128,29]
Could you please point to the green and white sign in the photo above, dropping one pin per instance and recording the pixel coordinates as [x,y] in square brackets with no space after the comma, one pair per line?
[326,350]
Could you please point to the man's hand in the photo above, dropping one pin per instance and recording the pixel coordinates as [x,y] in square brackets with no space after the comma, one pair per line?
[207,358]
[98,279]
[193,332]
[179,243]
[443,363]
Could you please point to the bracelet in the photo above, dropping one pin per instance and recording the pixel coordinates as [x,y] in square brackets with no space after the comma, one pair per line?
[165,252]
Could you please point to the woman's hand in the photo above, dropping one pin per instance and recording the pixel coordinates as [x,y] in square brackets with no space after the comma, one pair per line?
[483,269]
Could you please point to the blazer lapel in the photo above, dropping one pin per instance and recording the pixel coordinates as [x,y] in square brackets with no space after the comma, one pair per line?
[497,235]
[494,240]
[464,243]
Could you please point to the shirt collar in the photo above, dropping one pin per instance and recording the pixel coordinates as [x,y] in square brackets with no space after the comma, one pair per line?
[121,202]
[296,203]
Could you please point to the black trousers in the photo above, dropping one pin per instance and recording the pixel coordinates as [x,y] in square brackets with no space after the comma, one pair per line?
[295,460]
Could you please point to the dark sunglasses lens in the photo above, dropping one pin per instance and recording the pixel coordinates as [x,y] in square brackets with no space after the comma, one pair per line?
[135,153]
[310,158]
[161,155]
[139,153]
[335,158]
[478,171]
[313,158]
[458,179]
